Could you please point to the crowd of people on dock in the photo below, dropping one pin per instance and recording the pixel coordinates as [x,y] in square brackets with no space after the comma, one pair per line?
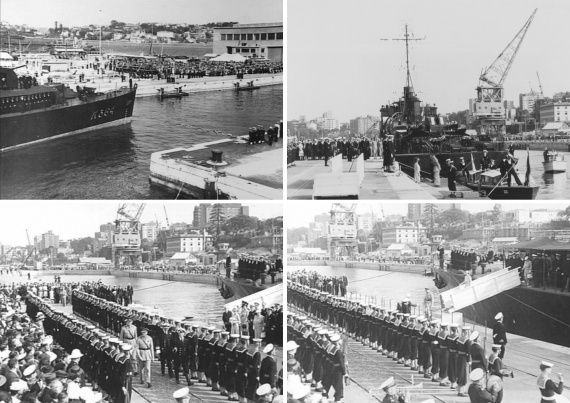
[229,363]
[542,269]
[350,148]
[40,349]
[163,67]
[334,285]
[441,352]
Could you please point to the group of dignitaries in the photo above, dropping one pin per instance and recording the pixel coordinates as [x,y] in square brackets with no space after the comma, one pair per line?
[350,148]
[256,267]
[334,285]
[257,135]
[229,363]
[446,353]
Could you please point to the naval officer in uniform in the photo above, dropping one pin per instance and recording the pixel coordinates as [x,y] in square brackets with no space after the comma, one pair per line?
[145,348]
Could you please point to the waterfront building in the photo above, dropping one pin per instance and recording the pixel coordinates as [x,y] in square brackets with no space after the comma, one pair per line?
[361,125]
[49,240]
[195,241]
[365,222]
[203,212]
[403,234]
[254,41]
[554,112]
[526,101]
[150,230]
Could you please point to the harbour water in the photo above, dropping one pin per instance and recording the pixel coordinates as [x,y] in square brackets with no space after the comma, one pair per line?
[113,163]
[389,286]
[176,299]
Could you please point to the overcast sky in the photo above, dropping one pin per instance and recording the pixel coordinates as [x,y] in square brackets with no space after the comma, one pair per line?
[43,13]
[76,219]
[300,214]
[338,62]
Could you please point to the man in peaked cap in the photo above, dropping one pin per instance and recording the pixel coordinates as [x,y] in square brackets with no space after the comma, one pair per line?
[145,348]
[500,334]
[128,334]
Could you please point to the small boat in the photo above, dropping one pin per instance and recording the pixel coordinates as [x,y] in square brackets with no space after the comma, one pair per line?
[177,93]
[554,163]
[492,185]
[248,87]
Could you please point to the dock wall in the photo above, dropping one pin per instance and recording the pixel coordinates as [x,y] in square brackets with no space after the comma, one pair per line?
[397,267]
[186,277]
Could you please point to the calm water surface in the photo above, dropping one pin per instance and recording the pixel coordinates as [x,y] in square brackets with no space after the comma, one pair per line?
[114,163]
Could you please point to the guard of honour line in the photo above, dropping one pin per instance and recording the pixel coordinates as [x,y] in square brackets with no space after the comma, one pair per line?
[104,359]
[449,354]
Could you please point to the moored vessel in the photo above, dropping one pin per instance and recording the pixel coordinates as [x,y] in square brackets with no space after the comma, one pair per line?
[554,163]
[31,114]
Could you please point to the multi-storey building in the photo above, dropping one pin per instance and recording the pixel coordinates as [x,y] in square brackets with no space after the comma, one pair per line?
[555,112]
[203,212]
[403,234]
[49,239]
[195,241]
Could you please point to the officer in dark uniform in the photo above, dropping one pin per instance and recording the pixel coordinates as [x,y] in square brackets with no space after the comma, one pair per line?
[500,334]
[451,176]
[180,356]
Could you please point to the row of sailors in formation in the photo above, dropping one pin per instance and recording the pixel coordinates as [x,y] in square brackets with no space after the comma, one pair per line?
[104,360]
[440,351]
[315,358]
[463,258]
[226,362]
[256,135]
[252,267]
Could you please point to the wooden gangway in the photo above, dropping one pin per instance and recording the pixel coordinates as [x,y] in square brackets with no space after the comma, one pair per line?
[485,287]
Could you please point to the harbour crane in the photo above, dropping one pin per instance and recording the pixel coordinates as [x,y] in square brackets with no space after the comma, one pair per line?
[126,246]
[488,107]
[166,215]
[540,85]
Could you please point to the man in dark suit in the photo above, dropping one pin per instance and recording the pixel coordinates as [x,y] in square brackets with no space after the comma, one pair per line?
[326,151]
[451,176]
[485,161]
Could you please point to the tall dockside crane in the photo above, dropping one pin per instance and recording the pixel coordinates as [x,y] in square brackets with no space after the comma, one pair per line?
[489,110]
[126,247]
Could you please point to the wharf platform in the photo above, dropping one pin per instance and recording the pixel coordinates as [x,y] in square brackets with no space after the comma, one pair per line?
[253,172]
[377,184]
[164,386]
[151,87]
[368,369]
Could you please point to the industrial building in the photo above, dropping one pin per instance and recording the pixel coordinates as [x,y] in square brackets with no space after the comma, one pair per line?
[254,41]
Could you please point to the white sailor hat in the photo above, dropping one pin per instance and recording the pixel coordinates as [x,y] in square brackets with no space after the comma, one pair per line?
[335,337]
[291,345]
[466,327]
[387,383]
[263,389]
[474,335]
[406,315]
[322,331]
[546,364]
[245,337]
[234,336]
[300,391]
[29,370]
[476,375]
[181,393]
[422,319]
[126,347]
[257,340]
[211,328]
[496,346]
[268,348]
[454,326]
[224,333]
[499,316]
[444,324]
[434,322]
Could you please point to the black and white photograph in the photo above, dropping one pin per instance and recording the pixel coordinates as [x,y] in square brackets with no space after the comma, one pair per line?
[415,100]
[141,100]
[106,302]
[428,302]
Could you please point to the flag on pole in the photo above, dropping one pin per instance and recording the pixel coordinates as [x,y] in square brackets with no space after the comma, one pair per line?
[527,177]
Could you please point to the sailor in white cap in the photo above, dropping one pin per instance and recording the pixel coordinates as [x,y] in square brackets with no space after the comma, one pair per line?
[292,347]
[548,388]
[500,334]
[477,391]
[463,345]
[182,395]
[265,393]
[478,359]
[268,368]
[392,396]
